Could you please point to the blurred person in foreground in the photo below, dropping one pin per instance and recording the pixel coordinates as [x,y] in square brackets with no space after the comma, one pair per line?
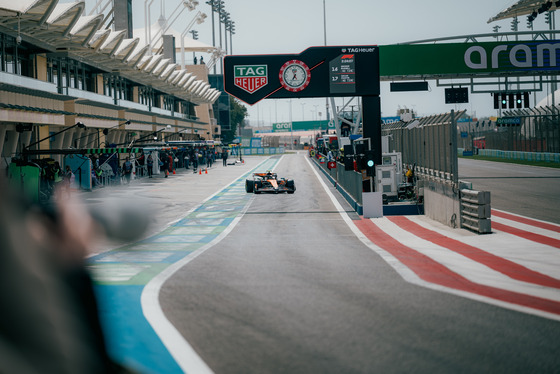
[49,320]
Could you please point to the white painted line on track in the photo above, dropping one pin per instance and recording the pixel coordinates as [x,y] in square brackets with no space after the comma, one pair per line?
[472,270]
[527,218]
[183,353]
[526,227]
[544,259]
[178,347]
[411,277]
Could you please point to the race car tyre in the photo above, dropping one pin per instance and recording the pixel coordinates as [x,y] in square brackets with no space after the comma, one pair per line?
[249,185]
[291,185]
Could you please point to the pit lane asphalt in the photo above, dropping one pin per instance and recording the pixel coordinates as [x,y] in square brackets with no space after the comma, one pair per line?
[292,289]
[121,271]
[307,303]
[166,200]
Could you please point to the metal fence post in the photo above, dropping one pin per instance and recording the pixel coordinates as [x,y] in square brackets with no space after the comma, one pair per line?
[453,151]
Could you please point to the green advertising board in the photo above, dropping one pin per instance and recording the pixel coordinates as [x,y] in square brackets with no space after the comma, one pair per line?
[302,126]
[521,57]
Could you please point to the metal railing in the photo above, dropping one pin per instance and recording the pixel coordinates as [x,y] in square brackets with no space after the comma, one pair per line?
[522,130]
[429,144]
[349,180]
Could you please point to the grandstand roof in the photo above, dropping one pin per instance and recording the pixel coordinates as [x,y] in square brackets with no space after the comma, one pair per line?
[525,7]
[62,26]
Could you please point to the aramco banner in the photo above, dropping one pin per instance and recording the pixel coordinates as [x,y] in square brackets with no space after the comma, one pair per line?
[302,126]
[470,58]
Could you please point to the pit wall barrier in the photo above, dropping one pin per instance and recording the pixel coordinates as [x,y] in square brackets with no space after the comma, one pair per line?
[348,183]
[441,202]
[259,151]
[441,199]
[517,155]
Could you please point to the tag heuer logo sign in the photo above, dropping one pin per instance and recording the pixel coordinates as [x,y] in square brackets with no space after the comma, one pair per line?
[250,78]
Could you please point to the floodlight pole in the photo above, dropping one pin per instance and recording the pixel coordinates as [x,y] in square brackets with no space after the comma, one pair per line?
[213,9]
[231,32]
[325,22]
[186,5]
[325,39]
[147,23]
[291,127]
[198,18]
[453,151]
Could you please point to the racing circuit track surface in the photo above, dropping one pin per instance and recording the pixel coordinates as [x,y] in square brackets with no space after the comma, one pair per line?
[292,289]
[521,189]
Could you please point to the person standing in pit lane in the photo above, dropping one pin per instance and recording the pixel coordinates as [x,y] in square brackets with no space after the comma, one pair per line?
[165,165]
[170,162]
[209,158]
[68,179]
[194,160]
[224,157]
[127,170]
[150,164]
[200,158]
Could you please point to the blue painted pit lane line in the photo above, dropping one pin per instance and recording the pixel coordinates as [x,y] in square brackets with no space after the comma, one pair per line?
[121,277]
[130,340]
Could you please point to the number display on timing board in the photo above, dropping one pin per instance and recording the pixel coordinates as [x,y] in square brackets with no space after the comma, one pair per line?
[342,72]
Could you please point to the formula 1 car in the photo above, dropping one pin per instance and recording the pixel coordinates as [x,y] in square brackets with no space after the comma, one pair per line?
[269,182]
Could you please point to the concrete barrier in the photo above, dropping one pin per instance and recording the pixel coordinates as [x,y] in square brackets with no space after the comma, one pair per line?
[475,211]
[441,202]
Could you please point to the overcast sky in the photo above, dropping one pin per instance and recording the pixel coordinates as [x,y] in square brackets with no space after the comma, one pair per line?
[290,26]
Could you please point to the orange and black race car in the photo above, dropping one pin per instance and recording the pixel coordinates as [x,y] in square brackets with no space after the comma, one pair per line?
[269,182]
